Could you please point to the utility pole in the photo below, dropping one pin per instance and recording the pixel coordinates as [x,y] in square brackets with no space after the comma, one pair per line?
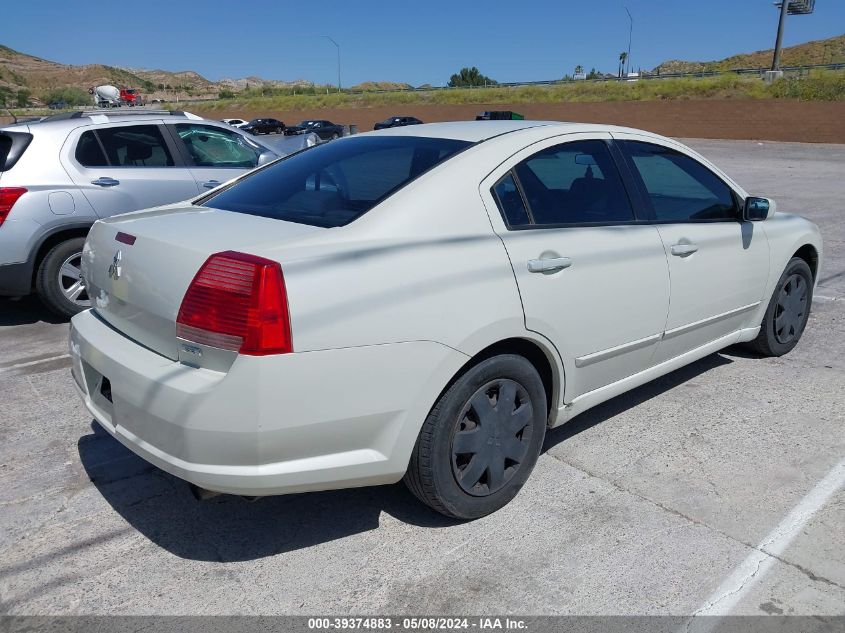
[630,33]
[784,7]
[338,59]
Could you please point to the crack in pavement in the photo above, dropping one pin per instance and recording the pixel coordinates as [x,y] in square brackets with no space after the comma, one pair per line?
[757,548]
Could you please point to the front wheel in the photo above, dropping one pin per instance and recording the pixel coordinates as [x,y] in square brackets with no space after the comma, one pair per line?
[788,311]
[335,136]
[59,280]
[279,130]
[481,439]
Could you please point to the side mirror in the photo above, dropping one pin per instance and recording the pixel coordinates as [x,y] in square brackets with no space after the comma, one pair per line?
[756,209]
[266,157]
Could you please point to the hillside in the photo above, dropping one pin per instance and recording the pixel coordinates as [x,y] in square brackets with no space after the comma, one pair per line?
[19,71]
[34,77]
[827,51]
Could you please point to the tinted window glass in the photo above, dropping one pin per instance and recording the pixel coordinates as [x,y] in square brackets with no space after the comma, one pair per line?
[88,151]
[135,146]
[574,183]
[333,184]
[510,202]
[214,147]
[680,188]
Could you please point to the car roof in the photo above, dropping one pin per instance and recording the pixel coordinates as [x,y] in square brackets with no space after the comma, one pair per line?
[70,120]
[475,131]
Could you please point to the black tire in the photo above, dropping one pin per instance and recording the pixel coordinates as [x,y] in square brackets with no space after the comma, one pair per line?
[437,468]
[335,136]
[279,130]
[788,311]
[48,283]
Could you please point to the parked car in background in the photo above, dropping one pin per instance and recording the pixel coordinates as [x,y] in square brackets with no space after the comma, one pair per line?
[264,126]
[61,174]
[397,121]
[423,304]
[326,130]
[234,122]
[58,105]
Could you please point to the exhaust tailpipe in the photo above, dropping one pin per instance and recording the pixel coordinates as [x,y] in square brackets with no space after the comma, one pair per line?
[201,494]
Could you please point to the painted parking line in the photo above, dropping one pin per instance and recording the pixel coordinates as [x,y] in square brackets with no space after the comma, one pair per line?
[757,564]
[49,359]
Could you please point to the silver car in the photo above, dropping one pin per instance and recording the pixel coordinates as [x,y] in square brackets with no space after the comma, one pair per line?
[61,174]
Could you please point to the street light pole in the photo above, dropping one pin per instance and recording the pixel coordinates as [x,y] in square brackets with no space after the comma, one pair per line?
[784,6]
[338,59]
[630,33]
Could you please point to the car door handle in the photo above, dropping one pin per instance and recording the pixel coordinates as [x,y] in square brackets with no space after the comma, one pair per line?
[549,265]
[211,184]
[681,250]
[105,181]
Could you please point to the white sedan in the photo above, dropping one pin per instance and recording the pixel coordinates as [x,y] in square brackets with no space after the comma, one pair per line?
[422,303]
[234,122]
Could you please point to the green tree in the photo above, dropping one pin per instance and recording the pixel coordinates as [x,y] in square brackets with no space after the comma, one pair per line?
[593,74]
[579,69]
[225,94]
[470,77]
[70,95]
[622,57]
[23,98]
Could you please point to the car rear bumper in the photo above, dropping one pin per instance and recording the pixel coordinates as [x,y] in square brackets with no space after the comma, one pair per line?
[270,425]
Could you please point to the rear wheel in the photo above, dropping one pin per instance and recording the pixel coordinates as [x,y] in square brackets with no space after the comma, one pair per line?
[59,279]
[335,136]
[481,439]
[788,311]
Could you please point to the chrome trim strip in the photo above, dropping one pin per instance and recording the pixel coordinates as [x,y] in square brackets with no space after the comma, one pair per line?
[595,357]
[719,317]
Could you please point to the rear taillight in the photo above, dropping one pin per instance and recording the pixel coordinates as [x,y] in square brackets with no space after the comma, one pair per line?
[8,197]
[237,302]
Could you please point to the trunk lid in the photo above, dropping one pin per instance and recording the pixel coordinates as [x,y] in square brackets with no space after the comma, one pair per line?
[137,286]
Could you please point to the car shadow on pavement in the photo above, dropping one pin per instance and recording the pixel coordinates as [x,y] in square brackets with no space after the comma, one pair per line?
[25,311]
[228,528]
[615,406]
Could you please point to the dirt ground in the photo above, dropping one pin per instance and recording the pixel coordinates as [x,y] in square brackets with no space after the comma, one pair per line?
[773,120]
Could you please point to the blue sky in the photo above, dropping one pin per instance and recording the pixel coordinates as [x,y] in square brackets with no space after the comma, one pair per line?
[416,42]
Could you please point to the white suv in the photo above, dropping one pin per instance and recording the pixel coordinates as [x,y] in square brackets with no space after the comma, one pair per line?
[61,174]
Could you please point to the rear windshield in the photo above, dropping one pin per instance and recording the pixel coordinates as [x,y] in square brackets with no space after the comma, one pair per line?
[333,184]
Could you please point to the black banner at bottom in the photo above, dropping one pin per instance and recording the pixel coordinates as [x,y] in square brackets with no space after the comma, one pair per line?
[411,624]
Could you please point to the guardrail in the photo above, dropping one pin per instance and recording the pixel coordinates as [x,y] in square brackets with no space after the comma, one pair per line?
[646,76]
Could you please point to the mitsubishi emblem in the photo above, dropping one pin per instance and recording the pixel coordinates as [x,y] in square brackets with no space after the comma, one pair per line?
[114,269]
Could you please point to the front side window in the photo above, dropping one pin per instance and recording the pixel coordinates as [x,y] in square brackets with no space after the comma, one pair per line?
[574,183]
[333,184]
[679,188]
[135,146]
[214,147]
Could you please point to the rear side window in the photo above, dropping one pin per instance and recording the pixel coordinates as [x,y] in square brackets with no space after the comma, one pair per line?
[89,152]
[12,146]
[333,184]
[510,201]
[574,183]
[679,188]
[130,146]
